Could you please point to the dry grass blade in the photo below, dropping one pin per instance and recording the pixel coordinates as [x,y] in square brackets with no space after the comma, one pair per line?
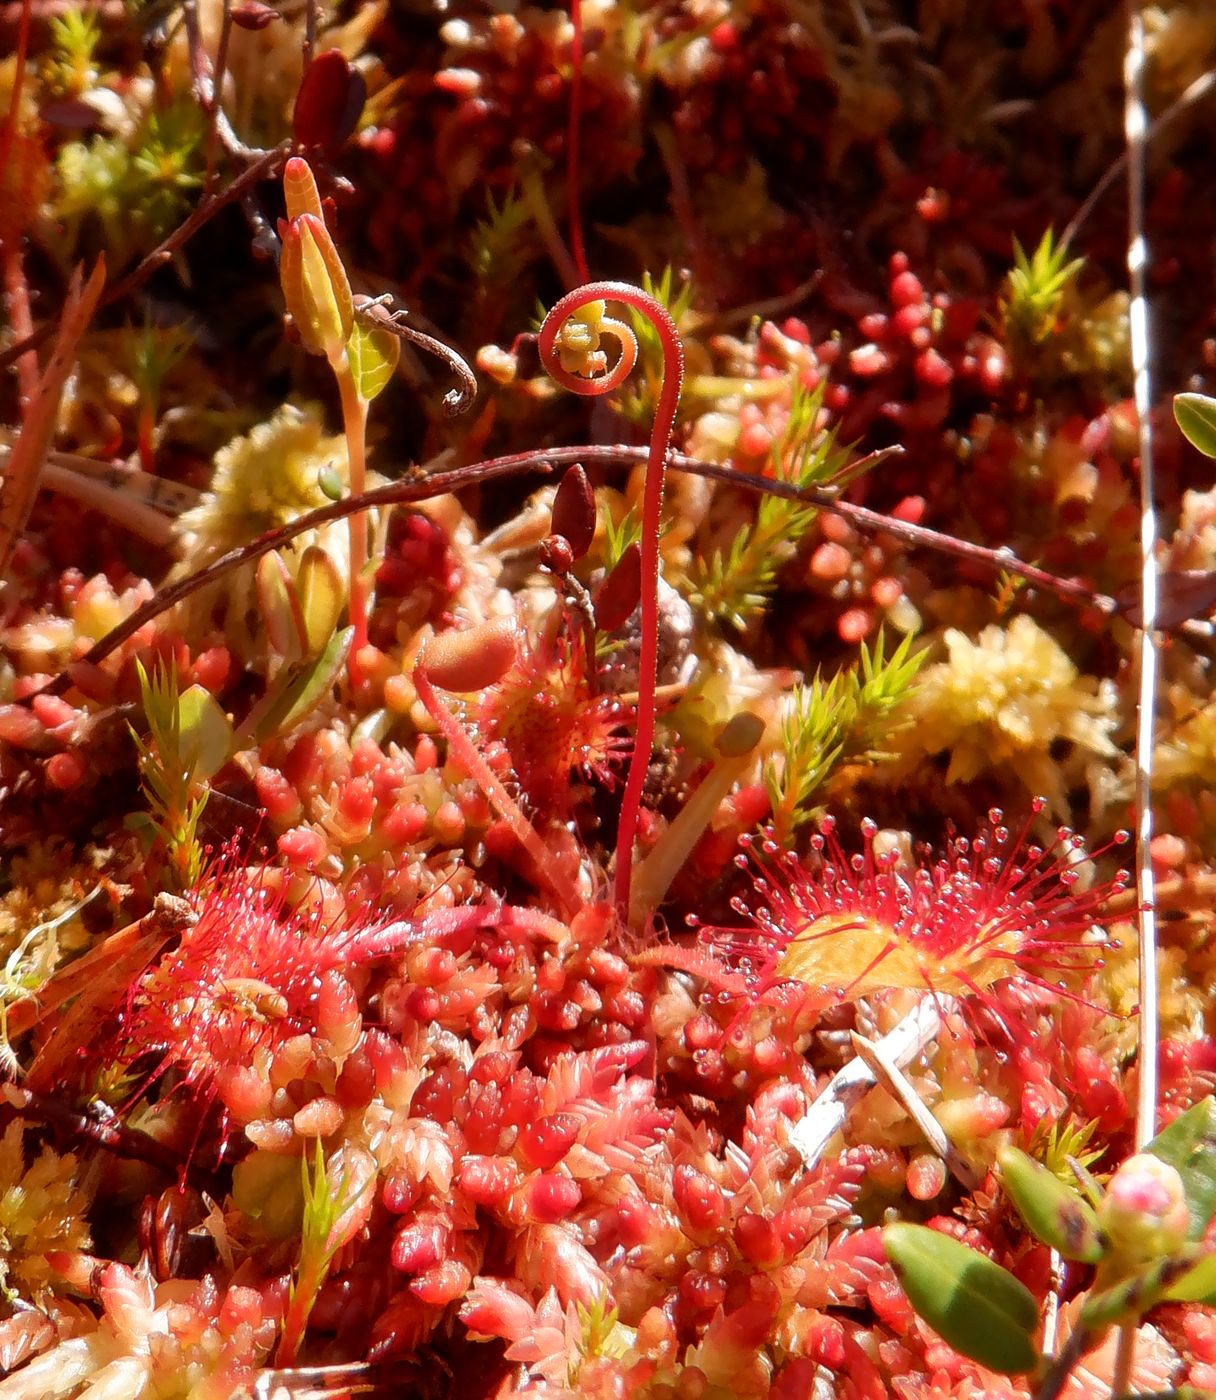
[29,452]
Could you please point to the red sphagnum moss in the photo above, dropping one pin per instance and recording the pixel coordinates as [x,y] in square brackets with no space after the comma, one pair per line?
[586,982]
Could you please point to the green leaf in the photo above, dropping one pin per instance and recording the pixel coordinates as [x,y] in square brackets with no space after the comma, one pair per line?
[1189,1145]
[1196,415]
[1197,1286]
[1052,1211]
[279,606]
[322,593]
[297,690]
[980,1309]
[372,355]
[206,732]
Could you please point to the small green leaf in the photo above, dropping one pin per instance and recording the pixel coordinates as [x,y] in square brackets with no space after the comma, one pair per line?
[206,732]
[980,1309]
[330,481]
[298,689]
[1196,1286]
[1196,416]
[1053,1212]
[372,354]
[322,593]
[1189,1145]
[279,606]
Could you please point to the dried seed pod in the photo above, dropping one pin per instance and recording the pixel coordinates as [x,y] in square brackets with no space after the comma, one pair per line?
[620,592]
[329,101]
[574,510]
[473,659]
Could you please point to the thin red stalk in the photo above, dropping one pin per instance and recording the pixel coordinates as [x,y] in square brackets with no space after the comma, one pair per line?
[16,292]
[354,421]
[462,750]
[573,134]
[17,300]
[652,505]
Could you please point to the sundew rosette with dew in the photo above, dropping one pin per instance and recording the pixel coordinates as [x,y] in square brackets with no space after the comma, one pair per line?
[991,909]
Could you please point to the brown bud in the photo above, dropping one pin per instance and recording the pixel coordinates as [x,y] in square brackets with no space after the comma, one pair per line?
[574,510]
[555,554]
[620,592]
[473,659]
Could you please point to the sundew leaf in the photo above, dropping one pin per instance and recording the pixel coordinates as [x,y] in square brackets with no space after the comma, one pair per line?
[1189,1145]
[1196,416]
[980,1309]
[372,354]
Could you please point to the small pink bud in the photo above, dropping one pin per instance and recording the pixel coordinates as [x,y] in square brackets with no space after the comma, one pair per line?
[1143,1213]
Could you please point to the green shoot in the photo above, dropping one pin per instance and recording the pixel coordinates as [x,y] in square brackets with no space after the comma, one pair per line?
[70,70]
[846,719]
[1055,1143]
[1031,307]
[637,401]
[602,1334]
[618,537]
[320,1239]
[500,249]
[734,588]
[154,353]
[189,738]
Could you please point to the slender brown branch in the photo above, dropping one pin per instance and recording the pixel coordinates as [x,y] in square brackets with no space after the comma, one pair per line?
[440,483]
[1080,1339]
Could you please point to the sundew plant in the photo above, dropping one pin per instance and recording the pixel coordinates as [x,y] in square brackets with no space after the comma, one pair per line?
[606,700]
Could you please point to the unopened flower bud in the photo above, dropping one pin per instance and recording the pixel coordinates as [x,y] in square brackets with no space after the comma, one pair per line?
[1143,1213]
[315,286]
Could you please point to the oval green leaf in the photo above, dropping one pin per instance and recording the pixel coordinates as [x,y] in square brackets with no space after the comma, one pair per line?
[279,606]
[980,1309]
[1196,416]
[1052,1211]
[1189,1145]
[206,732]
[372,355]
[322,593]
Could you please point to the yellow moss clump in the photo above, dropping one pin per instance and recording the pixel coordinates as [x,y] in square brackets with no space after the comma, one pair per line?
[1189,754]
[1002,700]
[42,1209]
[262,480]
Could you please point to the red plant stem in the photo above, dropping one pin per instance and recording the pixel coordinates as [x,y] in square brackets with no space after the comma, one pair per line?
[354,421]
[17,301]
[16,291]
[573,135]
[652,505]
[460,746]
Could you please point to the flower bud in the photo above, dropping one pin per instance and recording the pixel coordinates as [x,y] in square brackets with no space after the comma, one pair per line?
[1143,1213]
[315,286]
